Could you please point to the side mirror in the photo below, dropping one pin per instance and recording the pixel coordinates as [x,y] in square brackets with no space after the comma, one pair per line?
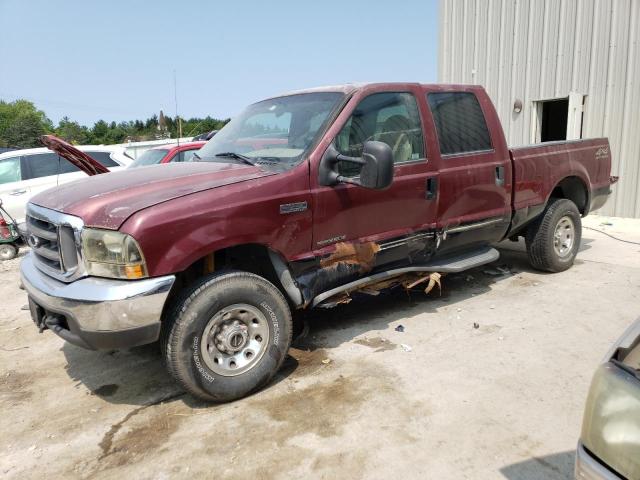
[376,161]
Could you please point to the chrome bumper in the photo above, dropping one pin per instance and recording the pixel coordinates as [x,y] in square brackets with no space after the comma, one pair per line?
[96,312]
[588,468]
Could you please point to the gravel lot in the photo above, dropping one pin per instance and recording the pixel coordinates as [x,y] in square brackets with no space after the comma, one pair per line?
[356,398]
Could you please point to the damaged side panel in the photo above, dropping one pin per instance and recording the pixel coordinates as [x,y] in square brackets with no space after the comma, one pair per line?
[347,261]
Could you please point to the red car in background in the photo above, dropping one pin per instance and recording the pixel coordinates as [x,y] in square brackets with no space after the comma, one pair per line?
[167,153]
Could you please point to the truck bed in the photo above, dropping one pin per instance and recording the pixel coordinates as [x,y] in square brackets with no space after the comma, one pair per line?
[538,169]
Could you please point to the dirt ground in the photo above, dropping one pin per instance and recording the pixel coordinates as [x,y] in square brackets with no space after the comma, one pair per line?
[356,398]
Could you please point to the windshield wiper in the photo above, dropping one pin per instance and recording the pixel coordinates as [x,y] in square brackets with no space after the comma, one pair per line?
[197,156]
[237,156]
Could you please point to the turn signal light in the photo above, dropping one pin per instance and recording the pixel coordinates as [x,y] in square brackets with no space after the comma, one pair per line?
[134,271]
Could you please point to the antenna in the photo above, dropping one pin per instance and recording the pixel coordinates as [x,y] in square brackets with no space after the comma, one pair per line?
[175,96]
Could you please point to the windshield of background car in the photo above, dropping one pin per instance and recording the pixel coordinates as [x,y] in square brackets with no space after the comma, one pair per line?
[150,157]
[275,132]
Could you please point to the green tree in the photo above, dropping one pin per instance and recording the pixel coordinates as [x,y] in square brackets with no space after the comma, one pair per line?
[21,123]
[24,132]
[18,115]
[72,132]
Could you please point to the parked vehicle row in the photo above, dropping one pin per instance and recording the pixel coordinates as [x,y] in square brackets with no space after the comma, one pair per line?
[301,201]
[25,173]
[184,152]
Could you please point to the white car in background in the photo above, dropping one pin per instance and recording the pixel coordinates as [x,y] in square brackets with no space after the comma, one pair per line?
[25,173]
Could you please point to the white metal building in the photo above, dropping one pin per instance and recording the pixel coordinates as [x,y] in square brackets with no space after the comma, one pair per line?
[571,66]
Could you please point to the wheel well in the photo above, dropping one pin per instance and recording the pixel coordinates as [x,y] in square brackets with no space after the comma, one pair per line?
[574,189]
[253,258]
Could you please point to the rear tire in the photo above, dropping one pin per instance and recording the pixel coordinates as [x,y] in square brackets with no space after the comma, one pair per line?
[8,251]
[554,239]
[227,336]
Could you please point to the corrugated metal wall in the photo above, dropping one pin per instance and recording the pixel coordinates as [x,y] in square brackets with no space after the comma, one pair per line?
[543,49]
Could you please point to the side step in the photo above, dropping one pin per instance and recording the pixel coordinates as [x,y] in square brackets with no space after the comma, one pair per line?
[450,264]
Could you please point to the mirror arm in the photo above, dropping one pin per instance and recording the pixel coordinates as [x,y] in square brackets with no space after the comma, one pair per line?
[342,179]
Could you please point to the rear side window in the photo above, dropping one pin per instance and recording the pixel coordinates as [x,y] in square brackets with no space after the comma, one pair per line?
[460,123]
[10,170]
[185,156]
[104,158]
[150,157]
[47,164]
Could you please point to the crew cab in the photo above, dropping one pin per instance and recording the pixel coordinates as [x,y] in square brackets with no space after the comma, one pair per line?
[184,152]
[301,201]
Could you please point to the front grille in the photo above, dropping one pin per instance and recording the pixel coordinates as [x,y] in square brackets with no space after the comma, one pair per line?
[43,239]
[54,239]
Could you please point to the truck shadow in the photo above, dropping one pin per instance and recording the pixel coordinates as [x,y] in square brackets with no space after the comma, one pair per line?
[137,376]
[558,466]
[329,328]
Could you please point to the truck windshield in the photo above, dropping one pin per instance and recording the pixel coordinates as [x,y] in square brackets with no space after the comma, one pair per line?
[276,132]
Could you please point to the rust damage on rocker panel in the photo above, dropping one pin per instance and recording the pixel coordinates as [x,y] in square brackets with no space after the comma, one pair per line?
[349,261]
[362,255]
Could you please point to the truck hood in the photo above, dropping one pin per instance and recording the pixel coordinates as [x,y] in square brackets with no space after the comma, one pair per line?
[106,201]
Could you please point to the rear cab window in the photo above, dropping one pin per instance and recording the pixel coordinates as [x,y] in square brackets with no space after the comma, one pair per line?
[460,123]
[10,170]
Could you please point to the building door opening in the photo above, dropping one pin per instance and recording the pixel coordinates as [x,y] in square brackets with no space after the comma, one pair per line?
[558,118]
[554,120]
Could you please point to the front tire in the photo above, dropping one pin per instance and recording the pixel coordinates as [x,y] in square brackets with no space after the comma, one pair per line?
[8,251]
[227,336]
[554,239]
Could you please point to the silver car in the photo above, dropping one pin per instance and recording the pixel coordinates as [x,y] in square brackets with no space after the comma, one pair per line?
[609,446]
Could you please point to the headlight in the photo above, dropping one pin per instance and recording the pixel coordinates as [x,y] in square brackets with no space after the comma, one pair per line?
[112,254]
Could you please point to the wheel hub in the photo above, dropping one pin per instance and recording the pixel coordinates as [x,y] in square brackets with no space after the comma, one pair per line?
[563,237]
[235,339]
[232,337]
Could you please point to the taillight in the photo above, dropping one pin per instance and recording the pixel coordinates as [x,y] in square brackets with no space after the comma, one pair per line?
[4,229]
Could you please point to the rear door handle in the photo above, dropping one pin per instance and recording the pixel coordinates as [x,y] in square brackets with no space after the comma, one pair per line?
[500,176]
[432,188]
[17,192]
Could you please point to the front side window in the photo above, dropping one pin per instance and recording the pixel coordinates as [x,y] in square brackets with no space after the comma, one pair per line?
[275,132]
[392,118]
[10,170]
[460,123]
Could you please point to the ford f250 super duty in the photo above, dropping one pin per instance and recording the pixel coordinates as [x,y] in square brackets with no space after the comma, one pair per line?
[299,202]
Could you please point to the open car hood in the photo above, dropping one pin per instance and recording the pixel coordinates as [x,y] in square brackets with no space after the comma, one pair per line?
[67,151]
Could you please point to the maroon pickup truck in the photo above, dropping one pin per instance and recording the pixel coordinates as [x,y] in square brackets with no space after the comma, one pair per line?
[301,201]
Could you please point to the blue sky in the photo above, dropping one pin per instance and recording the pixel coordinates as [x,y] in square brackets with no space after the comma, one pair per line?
[114,59]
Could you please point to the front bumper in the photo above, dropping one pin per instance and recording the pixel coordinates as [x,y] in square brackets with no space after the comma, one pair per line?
[96,313]
[589,468]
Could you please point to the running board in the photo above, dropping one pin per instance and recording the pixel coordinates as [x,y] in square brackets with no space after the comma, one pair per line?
[450,264]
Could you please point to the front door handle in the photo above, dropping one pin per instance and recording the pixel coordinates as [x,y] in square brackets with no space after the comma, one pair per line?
[17,192]
[432,188]
[500,176]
